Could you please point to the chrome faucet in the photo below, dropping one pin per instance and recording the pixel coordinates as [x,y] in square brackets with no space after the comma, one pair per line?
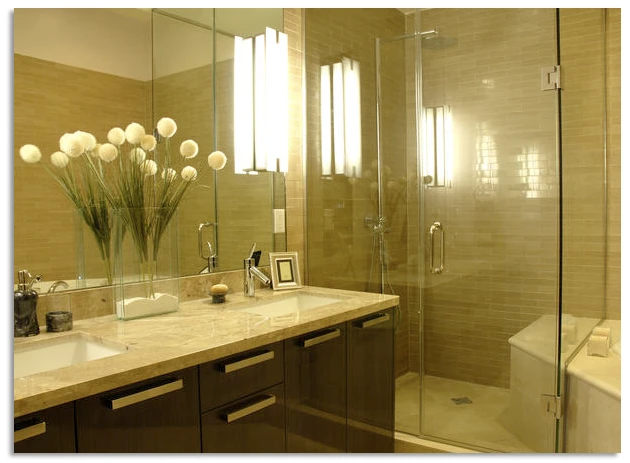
[56,284]
[251,272]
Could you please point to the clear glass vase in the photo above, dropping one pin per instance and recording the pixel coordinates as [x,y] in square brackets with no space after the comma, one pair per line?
[93,245]
[146,273]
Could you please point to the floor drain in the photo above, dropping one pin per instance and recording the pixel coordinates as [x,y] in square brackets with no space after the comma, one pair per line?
[461,400]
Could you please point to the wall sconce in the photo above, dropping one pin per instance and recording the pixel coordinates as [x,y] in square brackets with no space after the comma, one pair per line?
[261,103]
[437,131]
[340,99]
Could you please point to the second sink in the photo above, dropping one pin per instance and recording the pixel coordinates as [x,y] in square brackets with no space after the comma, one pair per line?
[289,305]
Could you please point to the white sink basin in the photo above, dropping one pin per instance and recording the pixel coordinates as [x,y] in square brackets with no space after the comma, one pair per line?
[50,354]
[289,306]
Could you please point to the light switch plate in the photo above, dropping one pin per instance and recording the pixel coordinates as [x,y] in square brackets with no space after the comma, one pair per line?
[278,221]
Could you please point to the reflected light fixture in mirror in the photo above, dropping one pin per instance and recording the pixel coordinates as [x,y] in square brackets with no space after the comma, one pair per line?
[261,140]
[437,128]
[341,133]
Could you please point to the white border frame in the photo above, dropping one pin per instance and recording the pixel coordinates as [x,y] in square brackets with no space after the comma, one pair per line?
[294,281]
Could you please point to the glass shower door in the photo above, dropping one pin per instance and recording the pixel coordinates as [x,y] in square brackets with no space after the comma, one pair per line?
[482,208]
[490,199]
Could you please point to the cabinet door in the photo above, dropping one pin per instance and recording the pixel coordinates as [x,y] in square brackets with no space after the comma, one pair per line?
[158,415]
[315,382]
[371,383]
[48,431]
[252,424]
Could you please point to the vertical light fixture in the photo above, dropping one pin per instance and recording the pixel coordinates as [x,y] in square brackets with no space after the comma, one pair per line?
[340,95]
[325,121]
[437,130]
[261,103]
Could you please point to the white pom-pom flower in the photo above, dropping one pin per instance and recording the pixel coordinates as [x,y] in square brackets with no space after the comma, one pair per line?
[59,159]
[189,173]
[189,149]
[148,143]
[169,174]
[137,155]
[166,127]
[30,154]
[134,133]
[87,140]
[149,167]
[217,160]
[94,151]
[108,152]
[116,136]
[70,144]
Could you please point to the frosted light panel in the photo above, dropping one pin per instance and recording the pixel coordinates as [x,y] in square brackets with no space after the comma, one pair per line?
[339,134]
[352,116]
[325,119]
[243,106]
[261,103]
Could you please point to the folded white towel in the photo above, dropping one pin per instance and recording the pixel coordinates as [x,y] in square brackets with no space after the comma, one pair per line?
[597,346]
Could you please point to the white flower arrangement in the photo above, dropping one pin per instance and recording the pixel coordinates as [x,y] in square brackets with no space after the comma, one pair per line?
[100,178]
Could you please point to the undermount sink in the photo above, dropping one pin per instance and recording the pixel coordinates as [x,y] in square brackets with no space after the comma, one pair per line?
[38,356]
[289,306]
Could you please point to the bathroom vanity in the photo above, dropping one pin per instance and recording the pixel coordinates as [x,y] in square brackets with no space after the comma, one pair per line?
[305,370]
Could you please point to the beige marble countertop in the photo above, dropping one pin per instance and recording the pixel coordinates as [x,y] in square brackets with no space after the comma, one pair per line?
[199,332]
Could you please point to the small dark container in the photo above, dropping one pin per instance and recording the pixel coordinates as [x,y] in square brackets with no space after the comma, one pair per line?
[58,321]
[218,298]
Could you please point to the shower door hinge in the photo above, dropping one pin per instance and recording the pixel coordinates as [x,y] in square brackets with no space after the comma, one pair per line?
[552,404]
[550,78]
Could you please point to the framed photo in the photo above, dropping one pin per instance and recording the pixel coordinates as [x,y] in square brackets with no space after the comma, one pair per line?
[285,272]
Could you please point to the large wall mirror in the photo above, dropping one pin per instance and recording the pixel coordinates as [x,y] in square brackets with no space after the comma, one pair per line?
[94,69]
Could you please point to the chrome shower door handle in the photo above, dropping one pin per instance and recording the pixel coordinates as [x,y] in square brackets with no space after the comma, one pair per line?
[436,227]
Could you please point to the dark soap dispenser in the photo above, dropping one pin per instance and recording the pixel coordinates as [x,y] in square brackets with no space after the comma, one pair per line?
[25,307]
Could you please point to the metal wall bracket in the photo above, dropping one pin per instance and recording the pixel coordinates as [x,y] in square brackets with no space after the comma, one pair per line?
[550,78]
[552,404]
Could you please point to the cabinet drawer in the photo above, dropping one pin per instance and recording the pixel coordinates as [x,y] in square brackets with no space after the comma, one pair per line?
[158,415]
[48,431]
[240,375]
[253,424]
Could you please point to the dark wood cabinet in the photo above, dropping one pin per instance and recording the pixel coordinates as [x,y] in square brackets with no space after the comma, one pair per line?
[315,384]
[331,390]
[252,424]
[47,431]
[371,386]
[242,402]
[157,415]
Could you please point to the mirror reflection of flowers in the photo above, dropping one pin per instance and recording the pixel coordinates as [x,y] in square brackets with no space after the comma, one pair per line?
[132,174]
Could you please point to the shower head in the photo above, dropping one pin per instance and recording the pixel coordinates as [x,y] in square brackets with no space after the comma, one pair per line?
[436,41]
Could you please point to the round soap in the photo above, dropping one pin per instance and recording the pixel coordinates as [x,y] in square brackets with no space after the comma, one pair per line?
[219,289]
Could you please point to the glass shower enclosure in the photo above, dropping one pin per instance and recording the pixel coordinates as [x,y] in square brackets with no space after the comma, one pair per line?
[458,207]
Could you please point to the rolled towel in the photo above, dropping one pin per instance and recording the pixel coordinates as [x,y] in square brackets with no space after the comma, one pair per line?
[597,346]
[600,331]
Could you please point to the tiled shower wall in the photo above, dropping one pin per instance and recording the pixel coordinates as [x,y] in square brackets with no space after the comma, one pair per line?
[342,252]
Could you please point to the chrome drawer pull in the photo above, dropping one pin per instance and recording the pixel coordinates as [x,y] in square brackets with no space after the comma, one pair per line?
[382,318]
[29,431]
[248,362]
[141,396]
[248,410]
[309,342]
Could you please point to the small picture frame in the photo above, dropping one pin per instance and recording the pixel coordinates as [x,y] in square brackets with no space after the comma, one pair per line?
[285,271]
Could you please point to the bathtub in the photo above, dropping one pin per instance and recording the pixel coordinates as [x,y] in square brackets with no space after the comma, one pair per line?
[592,393]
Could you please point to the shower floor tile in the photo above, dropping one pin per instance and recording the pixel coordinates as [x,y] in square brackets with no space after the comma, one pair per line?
[474,419]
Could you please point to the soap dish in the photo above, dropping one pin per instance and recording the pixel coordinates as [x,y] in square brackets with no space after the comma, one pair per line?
[218,293]
[58,321]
